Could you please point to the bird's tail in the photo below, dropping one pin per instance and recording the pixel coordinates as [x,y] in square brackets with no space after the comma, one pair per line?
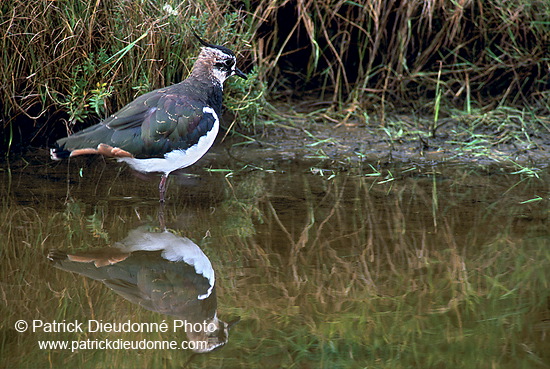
[92,140]
[57,255]
[59,152]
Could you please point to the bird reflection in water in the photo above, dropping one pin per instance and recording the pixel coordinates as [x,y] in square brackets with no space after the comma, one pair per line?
[160,271]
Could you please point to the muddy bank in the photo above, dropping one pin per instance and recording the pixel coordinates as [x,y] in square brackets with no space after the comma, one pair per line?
[345,145]
[340,148]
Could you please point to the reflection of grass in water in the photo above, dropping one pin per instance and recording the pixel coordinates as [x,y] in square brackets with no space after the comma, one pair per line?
[393,290]
[340,273]
[33,289]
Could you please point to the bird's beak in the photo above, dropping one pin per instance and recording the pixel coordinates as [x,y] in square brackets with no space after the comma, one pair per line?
[238,319]
[239,73]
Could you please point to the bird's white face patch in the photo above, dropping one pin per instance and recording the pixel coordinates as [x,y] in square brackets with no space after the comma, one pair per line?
[219,76]
[227,68]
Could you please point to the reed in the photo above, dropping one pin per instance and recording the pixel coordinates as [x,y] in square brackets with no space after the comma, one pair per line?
[75,61]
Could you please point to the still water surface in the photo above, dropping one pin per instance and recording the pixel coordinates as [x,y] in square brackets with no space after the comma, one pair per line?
[444,266]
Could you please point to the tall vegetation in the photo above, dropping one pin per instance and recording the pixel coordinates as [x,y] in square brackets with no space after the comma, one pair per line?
[78,60]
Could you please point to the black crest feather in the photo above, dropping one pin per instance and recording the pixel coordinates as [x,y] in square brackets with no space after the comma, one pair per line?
[206,44]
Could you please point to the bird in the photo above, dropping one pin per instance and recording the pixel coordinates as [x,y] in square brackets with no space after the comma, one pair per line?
[161,272]
[166,129]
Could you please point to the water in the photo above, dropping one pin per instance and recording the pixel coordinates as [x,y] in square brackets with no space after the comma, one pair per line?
[394,267]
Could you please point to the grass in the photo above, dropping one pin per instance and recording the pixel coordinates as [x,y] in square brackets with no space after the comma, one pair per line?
[67,65]
[439,267]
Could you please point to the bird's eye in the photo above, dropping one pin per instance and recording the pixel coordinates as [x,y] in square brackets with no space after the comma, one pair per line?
[227,64]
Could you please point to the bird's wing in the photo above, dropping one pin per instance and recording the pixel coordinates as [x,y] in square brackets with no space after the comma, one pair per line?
[133,114]
[177,119]
[160,122]
[150,126]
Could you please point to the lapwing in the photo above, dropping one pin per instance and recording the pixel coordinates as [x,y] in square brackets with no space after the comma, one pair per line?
[161,272]
[165,129]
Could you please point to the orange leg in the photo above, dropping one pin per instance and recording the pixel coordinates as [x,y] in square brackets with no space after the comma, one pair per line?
[162,187]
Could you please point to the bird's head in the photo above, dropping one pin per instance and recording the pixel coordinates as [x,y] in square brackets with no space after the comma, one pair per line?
[215,335]
[219,61]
